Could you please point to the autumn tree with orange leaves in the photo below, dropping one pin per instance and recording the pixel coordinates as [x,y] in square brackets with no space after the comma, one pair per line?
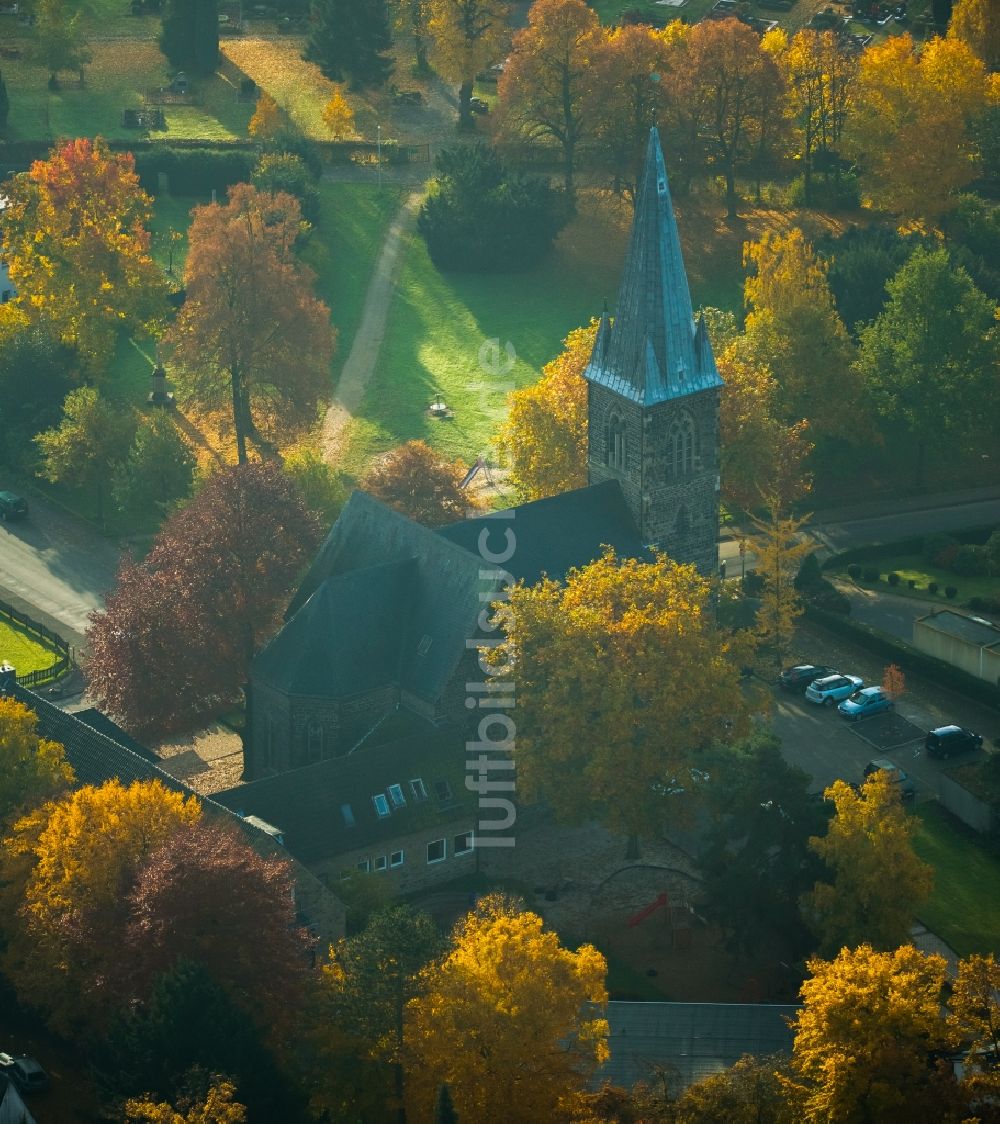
[77,245]
[251,330]
[418,482]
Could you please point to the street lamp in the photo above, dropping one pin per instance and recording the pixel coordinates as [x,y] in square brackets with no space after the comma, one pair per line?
[378,155]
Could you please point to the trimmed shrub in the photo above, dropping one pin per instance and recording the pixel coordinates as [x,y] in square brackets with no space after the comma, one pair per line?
[950,592]
[482,217]
[893,579]
[932,587]
[971,561]
[870,574]
[753,584]
[984,604]
[911,583]
[854,571]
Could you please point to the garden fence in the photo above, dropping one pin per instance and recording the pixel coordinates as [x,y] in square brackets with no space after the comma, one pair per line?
[29,624]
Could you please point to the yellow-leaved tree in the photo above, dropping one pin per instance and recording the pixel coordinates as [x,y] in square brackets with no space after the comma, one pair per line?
[910,125]
[762,457]
[977,23]
[878,881]
[218,1107]
[819,72]
[779,550]
[83,850]
[77,245]
[32,769]
[466,37]
[793,326]
[508,1018]
[543,440]
[865,1037]
[974,1020]
[622,679]
[338,116]
[266,120]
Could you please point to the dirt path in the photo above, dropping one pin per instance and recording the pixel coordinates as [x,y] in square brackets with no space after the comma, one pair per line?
[368,339]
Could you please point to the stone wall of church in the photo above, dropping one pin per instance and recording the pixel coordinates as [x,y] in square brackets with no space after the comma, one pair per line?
[601,404]
[681,510]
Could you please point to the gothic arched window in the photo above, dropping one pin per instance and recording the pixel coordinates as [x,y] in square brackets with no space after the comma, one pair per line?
[680,446]
[616,440]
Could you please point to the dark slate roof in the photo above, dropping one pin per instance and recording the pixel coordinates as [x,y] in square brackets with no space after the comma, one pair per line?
[980,633]
[442,595]
[654,350]
[306,804]
[99,721]
[553,535]
[694,1040]
[369,606]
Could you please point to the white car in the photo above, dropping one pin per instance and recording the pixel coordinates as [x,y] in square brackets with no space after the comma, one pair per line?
[833,688]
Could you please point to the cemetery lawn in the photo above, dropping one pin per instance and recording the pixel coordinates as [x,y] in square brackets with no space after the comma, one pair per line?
[913,567]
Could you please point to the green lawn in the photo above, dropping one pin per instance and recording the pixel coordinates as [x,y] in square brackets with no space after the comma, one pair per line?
[115,80]
[964,909]
[343,250]
[914,567]
[24,651]
[610,10]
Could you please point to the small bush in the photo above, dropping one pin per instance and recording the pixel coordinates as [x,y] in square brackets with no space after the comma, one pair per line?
[911,583]
[854,571]
[893,579]
[984,604]
[870,574]
[950,592]
[971,561]
[932,587]
[753,584]
[809,573]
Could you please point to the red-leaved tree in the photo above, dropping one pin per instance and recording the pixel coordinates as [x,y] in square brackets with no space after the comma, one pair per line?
[207,896]
[176,638]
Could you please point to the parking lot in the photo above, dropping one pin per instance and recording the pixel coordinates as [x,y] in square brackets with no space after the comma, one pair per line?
[826,746]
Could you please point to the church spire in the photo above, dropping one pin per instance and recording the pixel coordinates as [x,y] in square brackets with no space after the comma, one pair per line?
[653,351]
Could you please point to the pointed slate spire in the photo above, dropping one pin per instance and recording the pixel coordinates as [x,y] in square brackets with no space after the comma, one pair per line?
[653,351]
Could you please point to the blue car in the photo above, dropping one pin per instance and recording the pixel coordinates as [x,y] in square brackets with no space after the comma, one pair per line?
[872,700]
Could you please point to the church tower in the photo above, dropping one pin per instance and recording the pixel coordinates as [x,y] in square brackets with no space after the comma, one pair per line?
[653,389]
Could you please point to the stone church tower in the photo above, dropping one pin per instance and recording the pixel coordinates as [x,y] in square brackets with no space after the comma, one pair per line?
[653,393]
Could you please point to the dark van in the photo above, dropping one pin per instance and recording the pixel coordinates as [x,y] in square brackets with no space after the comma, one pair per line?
[12,507]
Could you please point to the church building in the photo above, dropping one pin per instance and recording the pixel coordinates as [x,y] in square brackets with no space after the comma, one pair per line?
[380,640]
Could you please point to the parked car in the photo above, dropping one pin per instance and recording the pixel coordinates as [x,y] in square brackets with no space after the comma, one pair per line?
[832,688]
[26,1074]
[477,105]
[946,741]
[907,789]
[12,507]
[870,700]
[799,677]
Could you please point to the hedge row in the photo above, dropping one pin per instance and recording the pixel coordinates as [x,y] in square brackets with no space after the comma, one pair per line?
[872,553]
[910,659]
[194,171]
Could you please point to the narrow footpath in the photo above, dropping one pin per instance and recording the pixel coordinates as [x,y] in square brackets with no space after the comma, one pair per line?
[360,365]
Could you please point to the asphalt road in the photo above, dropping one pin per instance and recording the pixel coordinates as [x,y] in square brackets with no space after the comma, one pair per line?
[54,564]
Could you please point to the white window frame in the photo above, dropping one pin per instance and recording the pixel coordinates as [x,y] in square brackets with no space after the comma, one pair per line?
[381,802]
[364,867]
[381,863]
[396,797]
[393,861]
[454,843]
[418,790]
[444,851]
[450,795]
